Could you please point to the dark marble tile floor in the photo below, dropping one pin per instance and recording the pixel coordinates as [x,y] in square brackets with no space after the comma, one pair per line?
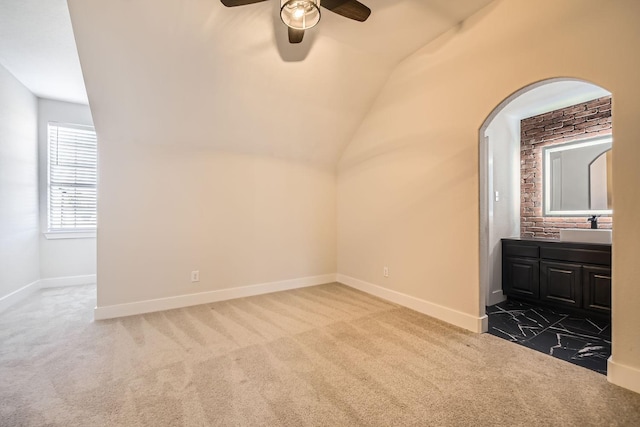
[582,341]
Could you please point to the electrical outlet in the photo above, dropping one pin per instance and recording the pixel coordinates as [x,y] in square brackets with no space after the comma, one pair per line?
[195,276]
[385,271]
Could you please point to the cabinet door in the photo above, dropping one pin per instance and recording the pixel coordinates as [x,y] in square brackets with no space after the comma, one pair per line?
[561,282]
[597,288]
[521,277]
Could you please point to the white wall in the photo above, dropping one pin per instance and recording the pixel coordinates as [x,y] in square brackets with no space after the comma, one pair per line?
[215,154]
[239,219]
[408,182]
[504,213]
[61,257]
[18,185]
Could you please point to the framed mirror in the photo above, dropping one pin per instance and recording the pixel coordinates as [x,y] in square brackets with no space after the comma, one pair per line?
[577,178]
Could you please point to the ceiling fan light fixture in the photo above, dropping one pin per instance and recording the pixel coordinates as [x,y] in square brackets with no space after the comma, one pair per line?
[300,14]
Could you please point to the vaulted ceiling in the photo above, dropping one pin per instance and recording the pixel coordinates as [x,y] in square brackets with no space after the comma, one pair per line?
[194,72]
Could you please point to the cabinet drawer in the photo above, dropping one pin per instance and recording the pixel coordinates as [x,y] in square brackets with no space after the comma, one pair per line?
[518,249]
[583,256]
[561,283]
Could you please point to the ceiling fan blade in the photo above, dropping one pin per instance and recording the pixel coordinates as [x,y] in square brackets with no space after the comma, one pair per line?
[295,36]
[232,3]
[351,9]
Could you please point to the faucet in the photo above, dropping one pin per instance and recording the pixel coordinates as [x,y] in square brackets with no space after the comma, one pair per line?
[594,222]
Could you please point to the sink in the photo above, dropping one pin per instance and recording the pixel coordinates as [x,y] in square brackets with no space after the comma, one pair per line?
[585,235]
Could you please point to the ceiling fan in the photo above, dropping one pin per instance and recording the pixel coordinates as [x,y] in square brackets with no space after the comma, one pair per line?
[300,15]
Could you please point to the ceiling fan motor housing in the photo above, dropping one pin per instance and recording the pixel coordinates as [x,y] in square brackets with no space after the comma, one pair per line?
[300,14]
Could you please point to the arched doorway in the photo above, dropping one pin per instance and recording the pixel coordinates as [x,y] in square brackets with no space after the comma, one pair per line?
[501,189]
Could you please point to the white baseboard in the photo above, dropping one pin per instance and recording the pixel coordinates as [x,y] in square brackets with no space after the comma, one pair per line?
[457,318]
[53,282]
[56,282]
[18,295]
[623,375]
[179,301]
[496,297]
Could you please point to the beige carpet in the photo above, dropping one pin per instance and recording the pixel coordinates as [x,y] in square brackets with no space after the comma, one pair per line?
[326,355]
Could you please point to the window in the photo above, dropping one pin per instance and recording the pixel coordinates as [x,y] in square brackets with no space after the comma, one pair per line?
[73,168]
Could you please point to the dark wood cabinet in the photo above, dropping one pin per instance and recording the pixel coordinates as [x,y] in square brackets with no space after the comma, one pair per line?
[522,277]
[597,288]
[570,276]
[561,283]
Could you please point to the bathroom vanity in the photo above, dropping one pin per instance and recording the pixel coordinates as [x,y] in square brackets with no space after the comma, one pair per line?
[572,276]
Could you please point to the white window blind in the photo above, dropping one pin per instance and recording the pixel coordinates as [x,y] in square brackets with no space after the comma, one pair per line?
[73,161]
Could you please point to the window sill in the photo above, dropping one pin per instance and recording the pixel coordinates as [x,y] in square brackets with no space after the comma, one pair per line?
[54,235]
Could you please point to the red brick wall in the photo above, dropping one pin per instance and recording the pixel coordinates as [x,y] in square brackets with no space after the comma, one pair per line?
[573,123]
